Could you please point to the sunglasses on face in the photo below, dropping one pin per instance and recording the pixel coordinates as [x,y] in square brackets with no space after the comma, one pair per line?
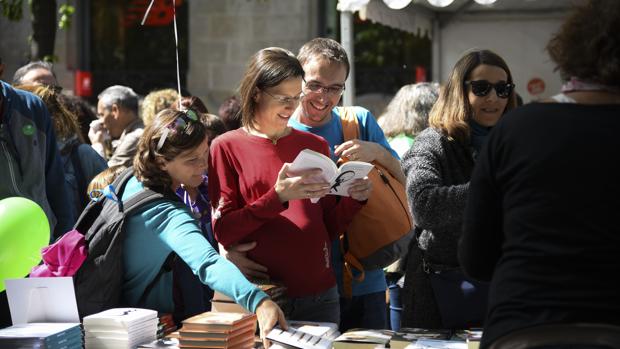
[334,90]
[178,125]
[482,88]
[285,100]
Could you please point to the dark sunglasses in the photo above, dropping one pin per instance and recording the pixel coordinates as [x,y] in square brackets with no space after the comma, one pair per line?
[482,88]
[178,125]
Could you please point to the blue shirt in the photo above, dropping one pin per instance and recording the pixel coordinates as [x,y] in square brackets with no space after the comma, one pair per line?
[166,226]
[374,280]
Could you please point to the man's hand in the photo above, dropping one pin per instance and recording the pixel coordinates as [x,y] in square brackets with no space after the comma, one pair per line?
[358,150]
[237,254]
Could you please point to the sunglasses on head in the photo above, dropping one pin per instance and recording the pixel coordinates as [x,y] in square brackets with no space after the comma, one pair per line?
[177,125]
[482,88]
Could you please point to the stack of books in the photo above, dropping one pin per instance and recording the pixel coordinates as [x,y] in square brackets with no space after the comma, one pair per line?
[166,325]
[42,335]
[218,330]
[120,328]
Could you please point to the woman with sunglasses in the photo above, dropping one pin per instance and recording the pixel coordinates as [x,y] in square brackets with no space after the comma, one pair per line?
[173,150]
[257,199]
[438,168]
[541,221]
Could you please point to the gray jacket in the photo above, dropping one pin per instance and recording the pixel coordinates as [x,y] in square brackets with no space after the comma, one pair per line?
[438,170]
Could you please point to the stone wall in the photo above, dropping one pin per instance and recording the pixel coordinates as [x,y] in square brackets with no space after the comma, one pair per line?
[225,33]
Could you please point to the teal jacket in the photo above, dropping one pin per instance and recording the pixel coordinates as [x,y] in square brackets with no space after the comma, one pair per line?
[166,226]
[30,164]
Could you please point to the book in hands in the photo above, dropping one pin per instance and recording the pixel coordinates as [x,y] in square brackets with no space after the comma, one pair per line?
[340,178]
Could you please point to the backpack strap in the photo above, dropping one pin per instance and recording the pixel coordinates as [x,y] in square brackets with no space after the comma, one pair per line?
[350,130]
[350,125]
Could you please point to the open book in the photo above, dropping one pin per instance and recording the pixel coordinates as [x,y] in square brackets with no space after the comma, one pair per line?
[339,178]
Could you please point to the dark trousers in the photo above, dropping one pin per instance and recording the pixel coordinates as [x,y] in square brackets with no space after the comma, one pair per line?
[366,311]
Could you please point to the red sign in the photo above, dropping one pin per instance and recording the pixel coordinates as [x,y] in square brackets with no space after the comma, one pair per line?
[161,14]
[536,86]
[83,83]
[420,73]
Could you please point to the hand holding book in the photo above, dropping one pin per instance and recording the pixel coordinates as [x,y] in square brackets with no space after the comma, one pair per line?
[348,180]
[300,184]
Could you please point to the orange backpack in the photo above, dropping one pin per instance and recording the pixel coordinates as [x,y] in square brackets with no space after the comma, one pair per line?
[381,231]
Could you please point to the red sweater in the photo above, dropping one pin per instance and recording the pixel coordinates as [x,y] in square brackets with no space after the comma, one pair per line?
[294,238]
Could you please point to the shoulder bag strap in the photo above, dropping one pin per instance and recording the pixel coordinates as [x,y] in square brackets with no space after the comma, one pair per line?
[350,126]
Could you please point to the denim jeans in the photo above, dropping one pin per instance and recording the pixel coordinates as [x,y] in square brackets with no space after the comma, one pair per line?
[323,307]
[366,311]
[396,306]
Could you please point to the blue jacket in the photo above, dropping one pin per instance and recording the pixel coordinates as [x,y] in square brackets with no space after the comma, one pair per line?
[30,164]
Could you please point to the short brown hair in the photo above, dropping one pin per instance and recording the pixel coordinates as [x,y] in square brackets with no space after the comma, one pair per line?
[267,68]
[146,165]
[452,112]
[325,48]
[587,45]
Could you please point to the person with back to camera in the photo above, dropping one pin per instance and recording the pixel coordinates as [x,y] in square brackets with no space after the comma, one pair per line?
[256,198]
[174,150]
[438,167]
[540,221]
[407,114]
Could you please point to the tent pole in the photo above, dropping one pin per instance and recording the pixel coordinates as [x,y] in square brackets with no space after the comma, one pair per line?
[346,39]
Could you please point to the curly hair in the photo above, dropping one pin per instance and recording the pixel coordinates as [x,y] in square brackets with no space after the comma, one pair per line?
[587,45]
[452,112]
[157,101]
[65,122]
[147,162]
[408,111]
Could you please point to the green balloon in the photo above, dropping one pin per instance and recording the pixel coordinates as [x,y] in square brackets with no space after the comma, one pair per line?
[24,230]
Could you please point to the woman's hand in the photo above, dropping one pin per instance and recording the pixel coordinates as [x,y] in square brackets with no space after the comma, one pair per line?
[360,189]
[300,185]
[268,314]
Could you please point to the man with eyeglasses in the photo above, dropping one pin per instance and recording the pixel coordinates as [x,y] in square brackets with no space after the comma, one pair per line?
[117,112]
[326,69]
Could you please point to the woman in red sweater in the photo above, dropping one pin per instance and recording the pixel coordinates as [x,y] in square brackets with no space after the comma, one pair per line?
[256,198]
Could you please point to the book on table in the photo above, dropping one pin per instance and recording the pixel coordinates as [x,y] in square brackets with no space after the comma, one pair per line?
[437,344]
[42,335]
[218,322]
[362,339]
[241,341]
[339,178]
[407,335]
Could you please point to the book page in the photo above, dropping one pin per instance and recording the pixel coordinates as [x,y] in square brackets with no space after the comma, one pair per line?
[347,174]
[308,159]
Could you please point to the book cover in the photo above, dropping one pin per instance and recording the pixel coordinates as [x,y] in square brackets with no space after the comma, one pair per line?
[362,339]
[401,339]
[217,322]
[40,332]
[298,339]
[340,178]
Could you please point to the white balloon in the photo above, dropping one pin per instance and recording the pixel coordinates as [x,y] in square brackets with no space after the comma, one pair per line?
[440,3]
[397,4]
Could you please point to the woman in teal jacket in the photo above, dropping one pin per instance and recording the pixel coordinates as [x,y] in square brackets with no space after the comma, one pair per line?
[173,150]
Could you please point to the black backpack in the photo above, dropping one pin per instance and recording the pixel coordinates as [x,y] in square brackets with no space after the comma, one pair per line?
[98,282]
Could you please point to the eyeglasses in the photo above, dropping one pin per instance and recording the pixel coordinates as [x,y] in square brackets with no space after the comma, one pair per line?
[178,125]
[285,100]
[334,90]
[482,88]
